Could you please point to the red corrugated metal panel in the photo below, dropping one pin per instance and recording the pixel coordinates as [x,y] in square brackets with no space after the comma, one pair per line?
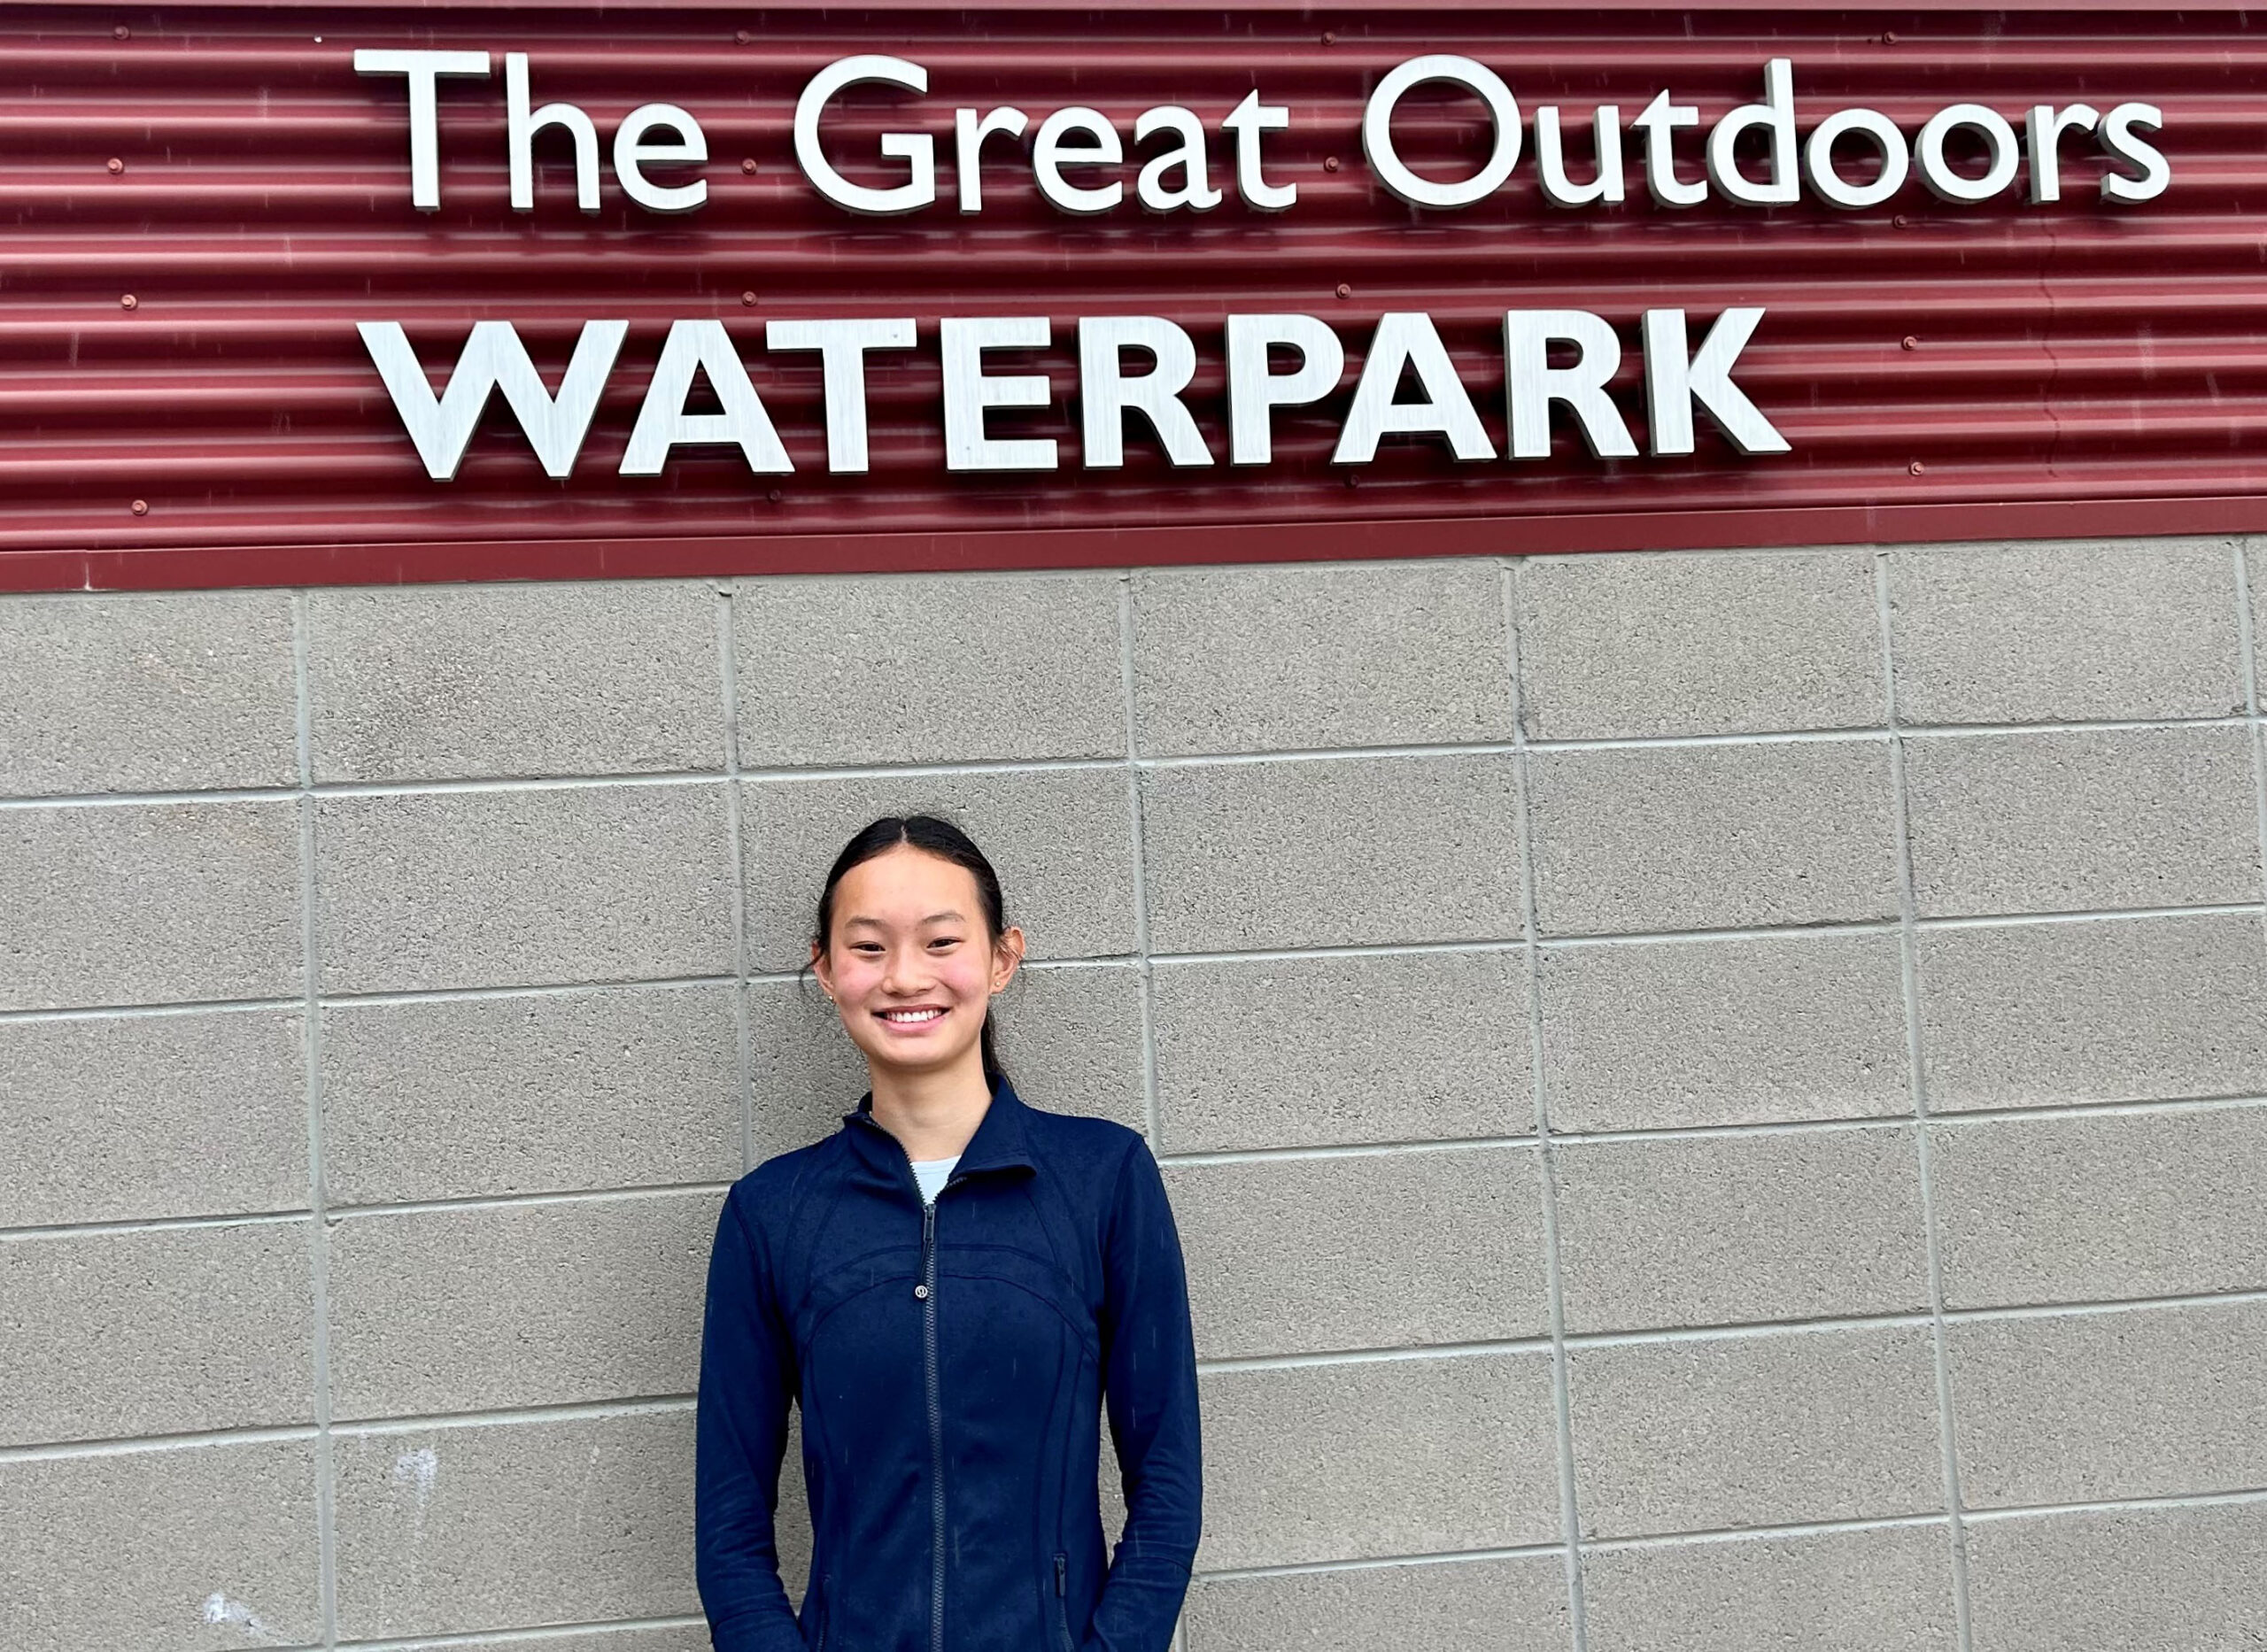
[2078,362]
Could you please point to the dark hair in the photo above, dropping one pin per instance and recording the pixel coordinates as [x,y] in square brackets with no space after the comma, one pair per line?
[945,841]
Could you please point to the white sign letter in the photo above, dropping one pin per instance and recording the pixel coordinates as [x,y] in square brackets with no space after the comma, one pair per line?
[662,422]
[1254,393]
[968,392]
[1050,153]
[916,149]
[1377,131]
[520,129]
[970,130]
[494,358]
[632,153]
[842,347]
[423,68]
[1106,393]
[1406,338]
[1196,192]
[1248,120]
[1937,173]
[1776,115]
[1531,383]
[1659,121]
[1674,382]
[2119,143]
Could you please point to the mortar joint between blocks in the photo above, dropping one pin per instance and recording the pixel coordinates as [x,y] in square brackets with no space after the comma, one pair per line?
[1143,961]
[1561,1392]
[318,1192]
[1916,1078]
[728,673]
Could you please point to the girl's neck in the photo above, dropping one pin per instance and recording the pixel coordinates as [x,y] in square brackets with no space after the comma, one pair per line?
[933,1114]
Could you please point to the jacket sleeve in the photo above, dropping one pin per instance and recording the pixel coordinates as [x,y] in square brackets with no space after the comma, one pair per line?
[748,1378]
[1150,1387]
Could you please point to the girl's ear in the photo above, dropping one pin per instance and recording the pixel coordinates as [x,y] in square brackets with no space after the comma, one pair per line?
[1007,952]
[822,967]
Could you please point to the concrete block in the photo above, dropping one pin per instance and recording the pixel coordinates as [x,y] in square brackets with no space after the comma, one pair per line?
[1313,1052]
[684,1637]
[1316,853]
[1365,1458]
[1362,1251]
[2063,633]
[112,1118]
[1516,1605]
[518,887]
[1780,1429]
[1712,837]
[175,692]
[518,1305]
[2093,1209]
[1661,1036]
[1306,657]
[1061,839]
[167,1330]
[2128,1580]
[2067,823]
[203,1548]
[439,681]
[1887,1590]
[494,1525]
[552,1092]
[163,903]
[1712,1231]
[1618,645]
[1069,1038]
[929,668]
[2044,1014]
[2136,1402]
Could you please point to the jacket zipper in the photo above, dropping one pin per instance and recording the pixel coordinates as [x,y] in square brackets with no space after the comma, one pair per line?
[924,1291]
[1062,1607]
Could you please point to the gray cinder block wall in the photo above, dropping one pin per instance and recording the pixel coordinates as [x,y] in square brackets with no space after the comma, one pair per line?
[1715,1100]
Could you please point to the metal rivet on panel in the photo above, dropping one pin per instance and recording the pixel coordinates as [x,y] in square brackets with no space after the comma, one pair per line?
[775,496]
[1900,221]
[1888,37]
[141,507]
[1330,37]
[748,165]
[1330,163]
[740,37]
[1912,342]
[1917,467]
[748,297]
[1345,290]
[127,301]
[113,165]
[122,33]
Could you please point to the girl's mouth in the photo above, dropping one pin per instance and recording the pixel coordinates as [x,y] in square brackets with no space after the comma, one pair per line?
[920,1016]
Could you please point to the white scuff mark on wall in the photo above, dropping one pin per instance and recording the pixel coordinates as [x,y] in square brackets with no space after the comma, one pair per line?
[419,1468]
[219,1608]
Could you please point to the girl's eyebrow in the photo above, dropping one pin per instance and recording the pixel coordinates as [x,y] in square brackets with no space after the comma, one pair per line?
[876,923]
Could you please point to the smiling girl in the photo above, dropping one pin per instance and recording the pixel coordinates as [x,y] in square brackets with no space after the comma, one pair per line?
[953,1287]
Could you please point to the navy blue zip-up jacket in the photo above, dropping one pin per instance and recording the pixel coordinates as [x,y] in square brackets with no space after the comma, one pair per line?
[952,1363]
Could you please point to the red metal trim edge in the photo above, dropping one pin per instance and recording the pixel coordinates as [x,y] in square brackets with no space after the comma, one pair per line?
[443,562]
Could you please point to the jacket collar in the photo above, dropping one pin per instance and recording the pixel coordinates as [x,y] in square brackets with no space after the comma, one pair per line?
[1001,1141]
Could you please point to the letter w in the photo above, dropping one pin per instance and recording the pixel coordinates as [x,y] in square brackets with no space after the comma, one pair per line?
[494,359]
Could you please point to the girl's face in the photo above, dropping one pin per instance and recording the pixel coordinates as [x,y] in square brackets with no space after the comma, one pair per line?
[908,962]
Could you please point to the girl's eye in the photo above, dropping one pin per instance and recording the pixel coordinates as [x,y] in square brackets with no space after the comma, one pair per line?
[946,940]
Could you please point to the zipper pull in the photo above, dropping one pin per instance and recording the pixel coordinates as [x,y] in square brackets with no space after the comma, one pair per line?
[928,1251]
[1062,1565]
